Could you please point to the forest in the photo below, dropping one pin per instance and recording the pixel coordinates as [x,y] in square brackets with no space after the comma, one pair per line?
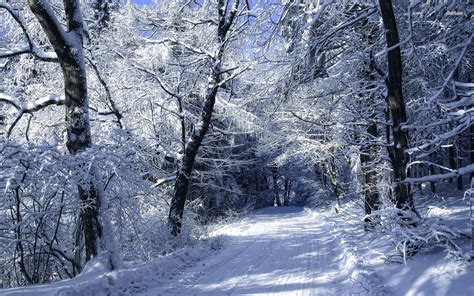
[131,130]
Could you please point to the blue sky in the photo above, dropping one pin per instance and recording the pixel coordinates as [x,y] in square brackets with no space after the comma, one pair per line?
[142,1]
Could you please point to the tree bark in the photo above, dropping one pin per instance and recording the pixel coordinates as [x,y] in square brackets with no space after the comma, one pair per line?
[368,151]
[471,146]
[396,105]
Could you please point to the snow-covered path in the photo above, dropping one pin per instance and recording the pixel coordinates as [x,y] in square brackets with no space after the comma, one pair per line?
[280,251]
[276,251]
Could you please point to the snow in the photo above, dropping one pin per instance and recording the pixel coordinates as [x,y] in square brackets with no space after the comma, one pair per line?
[454,173]
[432,272]
[150,68]
[275,251]
[287,251]
[129,281]
[29,107]
[163,180]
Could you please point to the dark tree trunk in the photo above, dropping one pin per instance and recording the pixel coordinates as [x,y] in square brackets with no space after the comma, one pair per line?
[275,185]
[396,105]
[471,146]
[78,140]
[368,151]
[192,147]
[451,159]
[286,199]
[459,158]
[323,174]
[432,184]
[371,194]
[332,176]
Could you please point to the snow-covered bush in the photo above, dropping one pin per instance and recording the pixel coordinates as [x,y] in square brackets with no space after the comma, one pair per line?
[39,210]
[411,234]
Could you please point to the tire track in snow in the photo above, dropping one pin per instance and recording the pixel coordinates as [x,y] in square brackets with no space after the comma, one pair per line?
[287,277]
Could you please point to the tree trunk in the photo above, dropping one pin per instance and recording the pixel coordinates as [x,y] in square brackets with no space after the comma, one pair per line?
[286,199]
[192,147]
[323,174]
[471,200]
[78,140]
[371,194]
[69,49]
[332,176]
[471,146]
[452,159]
[275,185]
[432,183]
[459,183]
[396,105]
[368,151]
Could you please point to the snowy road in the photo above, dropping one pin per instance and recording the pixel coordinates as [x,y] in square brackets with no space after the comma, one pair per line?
[279,251]
[276,251]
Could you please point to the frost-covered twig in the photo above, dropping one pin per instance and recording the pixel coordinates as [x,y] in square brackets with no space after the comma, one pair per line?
[28,107]
[465,45]
[34,106]
[183,44]
[31,48]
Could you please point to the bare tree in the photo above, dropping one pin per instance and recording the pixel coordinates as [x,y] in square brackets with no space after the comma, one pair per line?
[67,43]
[226,19]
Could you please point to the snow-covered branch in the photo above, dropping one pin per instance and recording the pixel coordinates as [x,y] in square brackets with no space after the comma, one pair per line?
[235,74]
[465,121]
[189,47]
[31,48]
[151,73]
[465,45]
[29,108]
[438,177]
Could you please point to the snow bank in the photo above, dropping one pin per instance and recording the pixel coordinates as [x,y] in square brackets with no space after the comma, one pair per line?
[429,272]
[128,281]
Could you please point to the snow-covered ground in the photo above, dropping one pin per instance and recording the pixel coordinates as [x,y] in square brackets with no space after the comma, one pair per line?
[276,251]
[285,251]
[431,273]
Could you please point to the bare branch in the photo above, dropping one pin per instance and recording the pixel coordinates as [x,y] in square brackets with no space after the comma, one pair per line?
[111,104]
